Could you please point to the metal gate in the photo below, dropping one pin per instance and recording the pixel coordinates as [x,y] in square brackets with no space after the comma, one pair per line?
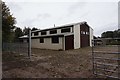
[106,57]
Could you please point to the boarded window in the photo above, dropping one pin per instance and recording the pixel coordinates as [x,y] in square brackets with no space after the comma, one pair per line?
[43,33]
[41,40]
[53,32]
[65,30]
[35,33]
[55,39]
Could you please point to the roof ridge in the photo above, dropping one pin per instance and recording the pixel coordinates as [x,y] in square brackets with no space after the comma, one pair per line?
[60,26]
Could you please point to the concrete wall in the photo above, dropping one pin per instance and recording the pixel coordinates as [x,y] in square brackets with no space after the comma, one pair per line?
[91,36]
[48,44]
[76,36]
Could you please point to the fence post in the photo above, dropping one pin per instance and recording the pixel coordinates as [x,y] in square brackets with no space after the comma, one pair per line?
[93,55]
[29,44]
[93,61]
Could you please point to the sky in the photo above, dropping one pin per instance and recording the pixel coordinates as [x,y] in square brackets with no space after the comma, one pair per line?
[100,15]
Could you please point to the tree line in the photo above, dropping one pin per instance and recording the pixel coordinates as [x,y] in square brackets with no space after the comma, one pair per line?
[111,34]
[10,32]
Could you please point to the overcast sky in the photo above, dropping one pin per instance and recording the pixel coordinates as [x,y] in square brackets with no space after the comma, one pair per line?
[101,16]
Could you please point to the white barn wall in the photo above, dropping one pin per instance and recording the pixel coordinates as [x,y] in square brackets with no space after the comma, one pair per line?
[48,32]
[47,44]
[39,33]
[91,35]
[63,42]
[58,31]
[71,29]
[32,34]
[76,36]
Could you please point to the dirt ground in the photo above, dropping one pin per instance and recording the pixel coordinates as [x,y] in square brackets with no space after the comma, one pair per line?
[49,64]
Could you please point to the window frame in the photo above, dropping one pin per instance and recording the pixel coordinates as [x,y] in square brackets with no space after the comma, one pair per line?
[55,40]
[41,40]
[43,33]
[53,31]
[36,33]
[64,30]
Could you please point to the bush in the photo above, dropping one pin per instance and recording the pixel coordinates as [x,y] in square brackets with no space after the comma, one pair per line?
[113,42]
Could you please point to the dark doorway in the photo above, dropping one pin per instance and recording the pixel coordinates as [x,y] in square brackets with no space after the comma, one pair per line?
[84,34]
[84,40]
[69,42]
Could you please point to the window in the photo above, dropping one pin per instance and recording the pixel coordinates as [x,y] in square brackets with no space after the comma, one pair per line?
[53,32]
[55,39]
[87,33]
[43,33]
[41,40]
[65,30]
[35,33]
[82,32]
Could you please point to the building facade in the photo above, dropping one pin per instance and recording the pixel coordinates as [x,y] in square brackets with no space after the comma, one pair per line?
[70,36]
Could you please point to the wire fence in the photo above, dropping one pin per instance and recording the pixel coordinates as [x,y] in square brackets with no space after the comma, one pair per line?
[19,48]
[106,58]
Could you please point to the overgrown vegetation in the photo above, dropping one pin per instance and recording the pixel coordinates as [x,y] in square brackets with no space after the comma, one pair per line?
[8,24]
[113,42]
[10,32]
[111,34]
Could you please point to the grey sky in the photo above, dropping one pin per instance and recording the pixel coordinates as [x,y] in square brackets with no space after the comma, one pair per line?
[101,16]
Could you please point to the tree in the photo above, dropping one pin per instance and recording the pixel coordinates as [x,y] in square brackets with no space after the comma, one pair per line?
[118,33]
[18,33]
[115,33]
[111,34]
[8,22]
[26,30]
[33,29]
[108,34]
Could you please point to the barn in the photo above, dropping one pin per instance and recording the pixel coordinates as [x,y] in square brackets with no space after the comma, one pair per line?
[65,37]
